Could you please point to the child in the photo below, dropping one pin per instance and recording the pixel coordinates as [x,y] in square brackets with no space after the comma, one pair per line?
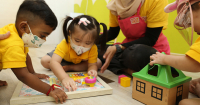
[191,61]
[77,52]
[34,22]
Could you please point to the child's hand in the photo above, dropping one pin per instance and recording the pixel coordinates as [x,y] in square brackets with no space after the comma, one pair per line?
[58,94]
[92,73]
[194,87]
[41,76]
[157,58]
[4,36]
[69,83]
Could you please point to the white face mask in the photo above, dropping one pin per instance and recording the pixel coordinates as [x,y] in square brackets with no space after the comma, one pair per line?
[31,40]
[78,49]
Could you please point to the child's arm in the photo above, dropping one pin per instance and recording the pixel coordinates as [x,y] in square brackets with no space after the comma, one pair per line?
[92,69]
[31,80]
[184,63]
[92,61]
[31,70]
[60,72]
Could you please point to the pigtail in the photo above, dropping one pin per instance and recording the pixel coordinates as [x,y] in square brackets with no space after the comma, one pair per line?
[65,30]
[103,39]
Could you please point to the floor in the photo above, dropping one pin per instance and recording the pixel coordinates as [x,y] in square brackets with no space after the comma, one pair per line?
[120,96]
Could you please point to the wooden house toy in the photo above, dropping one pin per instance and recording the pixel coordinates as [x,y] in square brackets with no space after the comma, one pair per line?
[160,85]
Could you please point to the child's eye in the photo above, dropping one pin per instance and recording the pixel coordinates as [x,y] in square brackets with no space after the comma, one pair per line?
[88,43]
[43,36]
[77,40]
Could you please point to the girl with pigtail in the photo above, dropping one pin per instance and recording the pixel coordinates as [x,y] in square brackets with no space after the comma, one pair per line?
[78,51]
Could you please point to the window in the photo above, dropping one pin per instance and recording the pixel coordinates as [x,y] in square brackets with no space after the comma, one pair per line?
[156,92]
[179,94]
[140,86]
[179,91]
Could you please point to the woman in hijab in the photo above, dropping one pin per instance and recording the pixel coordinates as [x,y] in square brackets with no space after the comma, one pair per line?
[142,22]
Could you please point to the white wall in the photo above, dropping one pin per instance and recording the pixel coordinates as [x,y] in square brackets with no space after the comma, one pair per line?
[61,8]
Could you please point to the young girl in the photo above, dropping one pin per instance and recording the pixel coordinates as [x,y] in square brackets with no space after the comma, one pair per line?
[77,52]
[191,61]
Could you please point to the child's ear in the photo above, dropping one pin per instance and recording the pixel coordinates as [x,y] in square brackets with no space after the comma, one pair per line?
[23,27]
[171,7]
[69,32]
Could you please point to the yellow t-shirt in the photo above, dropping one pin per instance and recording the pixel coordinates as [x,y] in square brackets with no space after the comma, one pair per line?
[12,51]
[65,51]
[152,12]
[194,51]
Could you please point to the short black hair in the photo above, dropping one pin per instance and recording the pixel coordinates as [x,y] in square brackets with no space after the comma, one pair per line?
[34,9]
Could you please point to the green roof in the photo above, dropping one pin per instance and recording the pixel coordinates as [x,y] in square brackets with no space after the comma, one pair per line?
[164,76]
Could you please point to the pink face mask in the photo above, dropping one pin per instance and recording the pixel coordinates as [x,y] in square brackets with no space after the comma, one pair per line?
[184,20]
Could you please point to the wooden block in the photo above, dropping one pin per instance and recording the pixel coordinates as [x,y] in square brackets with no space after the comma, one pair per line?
[125,81]
[121,77]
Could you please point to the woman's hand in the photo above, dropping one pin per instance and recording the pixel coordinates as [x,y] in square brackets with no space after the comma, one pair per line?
[69,83]
[157,58]
[4,36]
[92,73]
[110,52]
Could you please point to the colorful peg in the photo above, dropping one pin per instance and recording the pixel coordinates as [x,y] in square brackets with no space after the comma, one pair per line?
[70,75]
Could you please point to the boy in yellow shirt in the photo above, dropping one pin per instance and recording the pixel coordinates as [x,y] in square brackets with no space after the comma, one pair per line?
[34,22]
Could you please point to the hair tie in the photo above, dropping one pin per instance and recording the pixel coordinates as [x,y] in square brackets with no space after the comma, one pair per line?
[84,21]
